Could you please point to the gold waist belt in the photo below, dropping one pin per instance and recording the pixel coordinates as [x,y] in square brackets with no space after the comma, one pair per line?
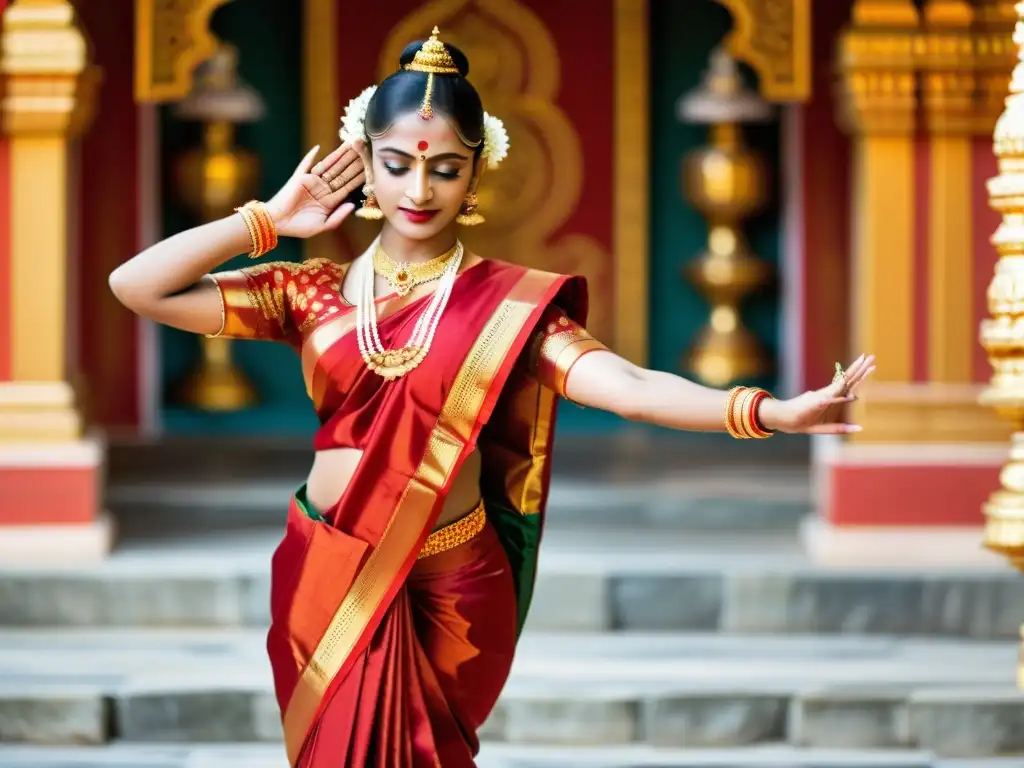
[454,534]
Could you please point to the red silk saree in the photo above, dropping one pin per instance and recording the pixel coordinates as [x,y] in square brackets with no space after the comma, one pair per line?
[390,643]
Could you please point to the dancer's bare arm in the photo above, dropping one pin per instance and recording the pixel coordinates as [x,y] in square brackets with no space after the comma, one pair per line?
[165,282]
[606,381]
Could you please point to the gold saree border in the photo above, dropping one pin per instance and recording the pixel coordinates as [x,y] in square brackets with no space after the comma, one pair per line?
[526,477]
[409,520]
[319,341]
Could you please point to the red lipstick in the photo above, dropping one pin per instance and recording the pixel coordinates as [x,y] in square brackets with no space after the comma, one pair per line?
[418,217]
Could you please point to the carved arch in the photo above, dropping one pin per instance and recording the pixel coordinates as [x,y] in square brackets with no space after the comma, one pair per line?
[172,38]
[774,38]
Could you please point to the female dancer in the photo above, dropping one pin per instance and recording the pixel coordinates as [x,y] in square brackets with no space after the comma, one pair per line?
[407,564]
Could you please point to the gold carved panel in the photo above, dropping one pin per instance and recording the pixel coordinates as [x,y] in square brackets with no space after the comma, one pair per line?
[943,65]
[529,199]
[50,82]
[774,37]
[172,37]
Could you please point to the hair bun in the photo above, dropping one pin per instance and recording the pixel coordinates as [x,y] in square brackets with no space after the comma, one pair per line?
[409,53]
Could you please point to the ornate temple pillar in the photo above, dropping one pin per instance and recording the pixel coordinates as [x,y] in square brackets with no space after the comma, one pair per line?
[915,98]
[50,470]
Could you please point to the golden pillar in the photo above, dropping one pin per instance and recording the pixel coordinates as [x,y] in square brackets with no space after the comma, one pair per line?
[726,183]
[879,104]
[49,471]
[947,92]
[916,79]
[1003,334]
[211,180]
[916,91]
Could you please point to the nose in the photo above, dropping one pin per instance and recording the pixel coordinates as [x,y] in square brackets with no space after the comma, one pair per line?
[420,192]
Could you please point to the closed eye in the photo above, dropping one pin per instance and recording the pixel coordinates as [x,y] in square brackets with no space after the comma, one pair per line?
[401,170]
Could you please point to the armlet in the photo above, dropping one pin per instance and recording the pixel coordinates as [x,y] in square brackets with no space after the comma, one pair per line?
[278,301]
[557,344]
[252,302]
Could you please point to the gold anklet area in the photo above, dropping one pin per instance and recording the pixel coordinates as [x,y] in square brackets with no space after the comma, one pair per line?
[454,534]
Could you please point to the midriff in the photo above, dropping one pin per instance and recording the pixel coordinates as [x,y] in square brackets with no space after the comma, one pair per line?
[333,469]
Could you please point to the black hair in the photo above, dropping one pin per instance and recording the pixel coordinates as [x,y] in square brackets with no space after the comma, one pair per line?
[453,96]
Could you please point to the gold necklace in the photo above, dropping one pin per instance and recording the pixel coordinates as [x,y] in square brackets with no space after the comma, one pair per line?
[404,276]
[392,364]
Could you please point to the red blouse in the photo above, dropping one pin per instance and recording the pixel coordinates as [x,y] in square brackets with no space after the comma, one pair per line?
[302,305]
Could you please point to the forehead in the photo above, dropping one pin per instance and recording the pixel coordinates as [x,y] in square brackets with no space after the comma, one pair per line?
[409,130]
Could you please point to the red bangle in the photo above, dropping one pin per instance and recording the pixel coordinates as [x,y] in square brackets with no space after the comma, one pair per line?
[756,427]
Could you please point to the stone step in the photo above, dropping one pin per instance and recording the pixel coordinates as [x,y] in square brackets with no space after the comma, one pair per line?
[708,500]
[590,579]
[691,482]
[696,692]
[493,756]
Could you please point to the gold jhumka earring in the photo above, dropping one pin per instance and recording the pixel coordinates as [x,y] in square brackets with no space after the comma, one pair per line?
[370,210]
[468,215]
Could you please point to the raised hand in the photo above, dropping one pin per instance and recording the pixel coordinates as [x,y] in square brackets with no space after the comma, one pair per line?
[815,412]
[311,201]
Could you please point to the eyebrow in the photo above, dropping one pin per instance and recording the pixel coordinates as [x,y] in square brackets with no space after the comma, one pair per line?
[433,158]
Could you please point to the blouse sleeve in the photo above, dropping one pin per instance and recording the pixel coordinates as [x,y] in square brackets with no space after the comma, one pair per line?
[557,344]
[254,301]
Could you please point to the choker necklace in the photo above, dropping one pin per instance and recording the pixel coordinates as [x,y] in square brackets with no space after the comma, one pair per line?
[404,276]
[392,364]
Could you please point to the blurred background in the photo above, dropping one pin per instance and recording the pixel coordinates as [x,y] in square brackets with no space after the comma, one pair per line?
[755,190]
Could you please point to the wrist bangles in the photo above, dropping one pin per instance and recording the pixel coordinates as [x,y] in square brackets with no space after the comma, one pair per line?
[741,408]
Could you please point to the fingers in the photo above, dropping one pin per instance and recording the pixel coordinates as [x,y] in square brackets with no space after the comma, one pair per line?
[867,370]
[833,429]
[339,165]
[324,166]
[853,375]
[349,186]
[335,219]
[840,400]
[307,161]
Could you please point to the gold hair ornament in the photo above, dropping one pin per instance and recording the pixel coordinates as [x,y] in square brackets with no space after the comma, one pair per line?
[434,59]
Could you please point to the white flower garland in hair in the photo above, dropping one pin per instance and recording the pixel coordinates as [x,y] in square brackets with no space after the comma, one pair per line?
[353,128]
[495,141]
[353,121]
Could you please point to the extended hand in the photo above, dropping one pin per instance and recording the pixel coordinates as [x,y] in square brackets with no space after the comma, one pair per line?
[310,202]
[814,412]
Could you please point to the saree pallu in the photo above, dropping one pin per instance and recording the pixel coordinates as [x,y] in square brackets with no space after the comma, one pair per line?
[382,658]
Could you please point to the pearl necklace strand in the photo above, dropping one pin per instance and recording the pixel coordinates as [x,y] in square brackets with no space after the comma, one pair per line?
[392,364]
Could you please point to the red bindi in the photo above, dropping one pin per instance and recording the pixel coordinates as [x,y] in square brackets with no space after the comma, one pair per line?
[422,146]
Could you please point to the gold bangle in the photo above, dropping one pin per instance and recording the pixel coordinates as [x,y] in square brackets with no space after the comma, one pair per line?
[262,231]
[730,404]
[740,417]
[249,218]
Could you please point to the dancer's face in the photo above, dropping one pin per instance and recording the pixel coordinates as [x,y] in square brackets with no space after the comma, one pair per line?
[421,173]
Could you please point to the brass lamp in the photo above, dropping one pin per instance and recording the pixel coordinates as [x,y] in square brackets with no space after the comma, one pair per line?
[726,183]
[1002,335]
[211,180]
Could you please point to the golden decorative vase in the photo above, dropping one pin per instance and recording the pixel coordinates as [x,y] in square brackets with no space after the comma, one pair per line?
[211,180]
[1002,335]
[726,182]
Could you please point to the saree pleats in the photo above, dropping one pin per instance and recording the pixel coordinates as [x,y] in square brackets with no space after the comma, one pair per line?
[433,670]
